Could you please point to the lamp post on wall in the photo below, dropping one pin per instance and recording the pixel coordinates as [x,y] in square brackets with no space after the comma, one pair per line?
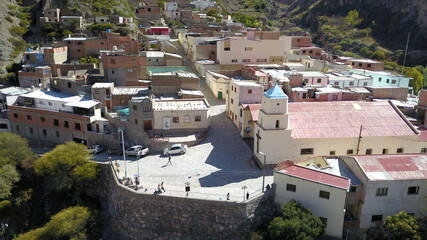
[120,130]
[263,170]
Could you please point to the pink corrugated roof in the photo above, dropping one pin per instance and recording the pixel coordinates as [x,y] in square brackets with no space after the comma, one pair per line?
[394,167]
[254,108]
[316,176]
[343,120]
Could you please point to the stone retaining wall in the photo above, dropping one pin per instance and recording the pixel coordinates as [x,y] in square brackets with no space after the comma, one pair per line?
[147,216]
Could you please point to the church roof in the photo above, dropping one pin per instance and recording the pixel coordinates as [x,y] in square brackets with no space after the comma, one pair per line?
[275,92]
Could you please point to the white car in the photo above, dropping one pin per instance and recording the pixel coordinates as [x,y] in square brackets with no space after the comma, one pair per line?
[95,149]
[175,149]
[137,150]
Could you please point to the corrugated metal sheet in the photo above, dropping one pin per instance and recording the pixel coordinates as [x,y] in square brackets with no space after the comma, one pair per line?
[394,167]
[317,176]
[343,120]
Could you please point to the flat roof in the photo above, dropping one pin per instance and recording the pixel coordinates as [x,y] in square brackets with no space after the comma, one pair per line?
[363,60]
[83,103]
[393,166]
[328,90]
[11,91]
[311,73]
[154,54]
[316,176]
[246,83]
[75,39]
[343,120]
[52,95]
[217,74]
[186,74]
[102,85]
[180,104]
[130,91]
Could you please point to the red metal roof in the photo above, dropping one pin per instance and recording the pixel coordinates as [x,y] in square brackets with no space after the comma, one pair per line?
[343,120]
[254,108]
[394,167]
[316,176]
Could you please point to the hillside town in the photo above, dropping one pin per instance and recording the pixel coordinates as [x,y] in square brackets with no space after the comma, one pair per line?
[211,110]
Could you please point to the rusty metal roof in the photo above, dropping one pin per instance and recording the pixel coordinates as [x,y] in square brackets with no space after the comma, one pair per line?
[343,120]
[393,167]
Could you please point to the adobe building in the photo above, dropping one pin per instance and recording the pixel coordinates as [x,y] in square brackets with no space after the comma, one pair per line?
[366,64]
[173,82]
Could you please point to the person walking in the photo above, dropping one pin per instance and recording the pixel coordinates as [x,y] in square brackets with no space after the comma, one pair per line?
[247,195]
[159,189]
[161,186]
[228,196]
[169,160]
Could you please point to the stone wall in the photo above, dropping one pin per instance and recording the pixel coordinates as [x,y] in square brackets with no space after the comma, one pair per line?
[147,216]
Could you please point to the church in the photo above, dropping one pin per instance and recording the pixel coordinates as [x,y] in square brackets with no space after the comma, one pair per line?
[300,130]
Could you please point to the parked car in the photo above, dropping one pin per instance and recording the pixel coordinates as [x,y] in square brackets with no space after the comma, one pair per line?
[118,152]
[95,149]
[137,150]
[175,149]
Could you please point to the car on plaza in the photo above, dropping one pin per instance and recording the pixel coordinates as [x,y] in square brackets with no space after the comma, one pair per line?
[137,150]
[175,149]
[117,152]
[95,149]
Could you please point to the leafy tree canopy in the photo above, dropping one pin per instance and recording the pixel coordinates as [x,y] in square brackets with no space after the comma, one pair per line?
[70,223]
[402,226]
[13,149]
[8,177]
[68,165]
[296,222]
[352,19]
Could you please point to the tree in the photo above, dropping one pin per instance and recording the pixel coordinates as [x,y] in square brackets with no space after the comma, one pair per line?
[68,165]
[97,28]
[13,149]
[402,226]
[70,223]
[296,222]
[8,177]
[378,55]
[352,19]
[417,77]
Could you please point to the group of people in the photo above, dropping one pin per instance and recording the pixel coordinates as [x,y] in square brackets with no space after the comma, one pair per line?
[160,189]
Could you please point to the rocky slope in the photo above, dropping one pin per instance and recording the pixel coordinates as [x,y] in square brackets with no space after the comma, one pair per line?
[6,47]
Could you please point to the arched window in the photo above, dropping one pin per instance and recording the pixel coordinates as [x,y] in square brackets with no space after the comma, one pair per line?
[277,123]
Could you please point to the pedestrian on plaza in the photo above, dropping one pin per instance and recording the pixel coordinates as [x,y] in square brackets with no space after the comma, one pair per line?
[161,185]
[268,187]
[169,160]
[228,196]
[247,195]
[162,136]
[159,190]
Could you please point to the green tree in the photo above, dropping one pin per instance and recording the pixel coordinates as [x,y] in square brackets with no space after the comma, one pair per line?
[402,226]
[378,55]
[417,77]
[296,222]
[97,28]
[70,223]
[13,149]
[8,177]
[352,19]
[68,166]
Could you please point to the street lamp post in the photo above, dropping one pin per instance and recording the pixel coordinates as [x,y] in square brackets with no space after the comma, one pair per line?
[263,170]
[123,149]
[244,188]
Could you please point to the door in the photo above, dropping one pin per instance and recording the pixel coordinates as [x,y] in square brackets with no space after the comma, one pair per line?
[219,95]
[147,125]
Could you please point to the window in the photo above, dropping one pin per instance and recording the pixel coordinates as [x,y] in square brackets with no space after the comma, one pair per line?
[351,83]
[17,128]
[324,194]
[246,60]
[360,64]
[261,60]
[379,79]
[3,126]
[29,117]
[56,122]
[66,124]
[277,123]
[352,63]
[234,60]
[49,103]
[368,151]
[31,130]
[226,48]
[77,126]
[68,84]
[44,132]
[198,118]
[388,81]
[413,190]
[393,81]
[306,151]
[332,153]
[231,88]
[15,115]
[399,150]
[365,84]
[335,97]
[241,112]
[135,107]
[369,65]
[377,218]
[113,61]
[135,121]
[349,151]
[385,151]
[353,189]
[249,91]
[248,48]
[175,119]
[231,101]
[146,109]
[423,150]
[291,187]
[336,83]
[41,102]
[112,72]
[319,80]
[382,191]
[57,134]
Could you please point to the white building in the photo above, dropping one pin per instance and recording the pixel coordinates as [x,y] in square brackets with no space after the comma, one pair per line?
[203,4]
[323,193]
[314,78]
[218,83]
[384,79]
[302,130]
[352,80]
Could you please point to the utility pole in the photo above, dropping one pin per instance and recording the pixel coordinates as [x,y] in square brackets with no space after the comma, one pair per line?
[360,138]
[406,51]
